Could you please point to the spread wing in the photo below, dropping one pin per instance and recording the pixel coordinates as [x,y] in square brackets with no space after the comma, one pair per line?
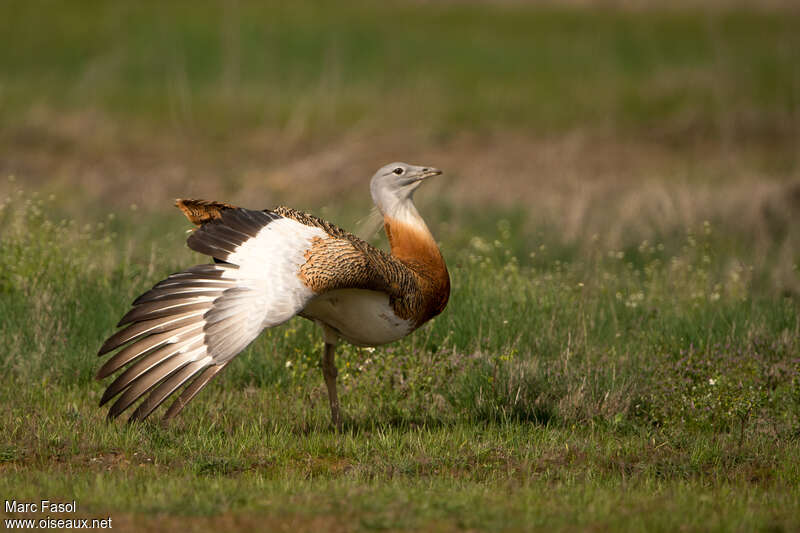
[190,325]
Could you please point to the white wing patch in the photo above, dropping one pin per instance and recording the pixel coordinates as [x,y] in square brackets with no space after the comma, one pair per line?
[269,264]
[192,323]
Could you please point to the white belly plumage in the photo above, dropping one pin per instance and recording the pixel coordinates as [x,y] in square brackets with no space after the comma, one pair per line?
[361,317]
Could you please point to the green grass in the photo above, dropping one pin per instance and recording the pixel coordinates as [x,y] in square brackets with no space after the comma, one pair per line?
[656,388]
[315,68]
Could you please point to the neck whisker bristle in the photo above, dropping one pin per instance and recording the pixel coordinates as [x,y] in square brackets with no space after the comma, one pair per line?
[370,225]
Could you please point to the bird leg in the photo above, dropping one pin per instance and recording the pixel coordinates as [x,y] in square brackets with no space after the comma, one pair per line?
[329,372]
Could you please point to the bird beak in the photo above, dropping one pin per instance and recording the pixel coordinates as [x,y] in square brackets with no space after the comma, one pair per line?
[429,173]
[418,175]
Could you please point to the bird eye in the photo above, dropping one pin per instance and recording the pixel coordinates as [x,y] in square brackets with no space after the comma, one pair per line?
[398,171]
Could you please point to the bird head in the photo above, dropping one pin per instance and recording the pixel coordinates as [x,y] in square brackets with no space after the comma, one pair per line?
[393,185]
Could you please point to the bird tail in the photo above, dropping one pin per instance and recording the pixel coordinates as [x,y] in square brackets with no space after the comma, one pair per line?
[201,211]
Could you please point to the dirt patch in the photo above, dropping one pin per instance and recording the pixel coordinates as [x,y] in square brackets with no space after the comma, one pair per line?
[94,160]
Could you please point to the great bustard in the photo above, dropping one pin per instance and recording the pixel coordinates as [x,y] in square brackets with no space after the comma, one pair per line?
[270,266]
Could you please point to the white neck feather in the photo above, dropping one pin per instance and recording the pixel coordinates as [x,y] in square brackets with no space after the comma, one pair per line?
[405,212]
[398,205]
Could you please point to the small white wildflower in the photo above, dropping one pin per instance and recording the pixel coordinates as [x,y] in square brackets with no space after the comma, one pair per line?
[369,349]
[479,244]
[288,363]
[712,381]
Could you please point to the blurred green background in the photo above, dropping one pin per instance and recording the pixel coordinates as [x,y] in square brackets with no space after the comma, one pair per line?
[145,100]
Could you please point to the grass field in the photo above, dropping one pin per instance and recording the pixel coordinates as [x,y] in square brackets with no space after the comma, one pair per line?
[619,215]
